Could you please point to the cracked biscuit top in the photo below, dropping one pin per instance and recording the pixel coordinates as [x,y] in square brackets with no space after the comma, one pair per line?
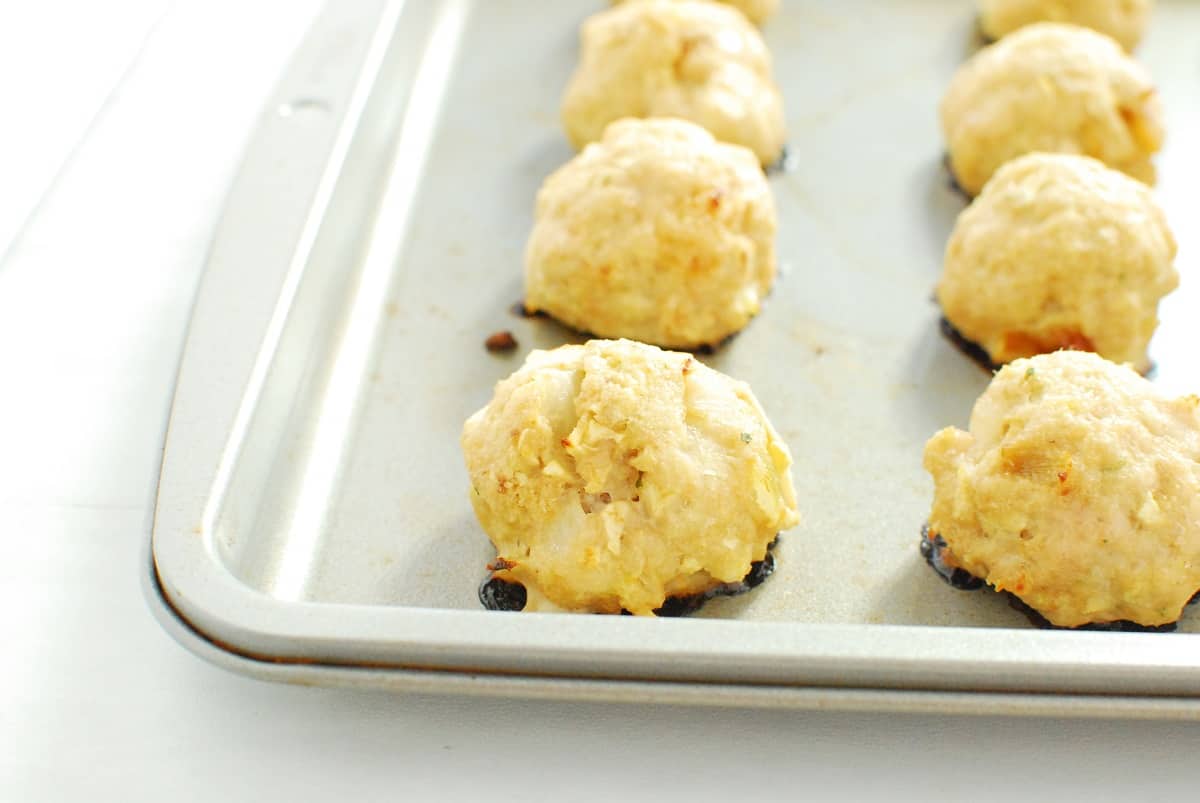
[612,475]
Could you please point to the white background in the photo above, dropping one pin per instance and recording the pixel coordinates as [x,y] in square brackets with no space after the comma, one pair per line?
[121,125]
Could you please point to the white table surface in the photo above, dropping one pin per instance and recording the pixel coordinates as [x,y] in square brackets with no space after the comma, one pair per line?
[122,125]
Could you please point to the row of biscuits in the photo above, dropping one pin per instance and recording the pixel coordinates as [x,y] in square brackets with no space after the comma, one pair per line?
[1075,488]
[1045,127]
[616,476]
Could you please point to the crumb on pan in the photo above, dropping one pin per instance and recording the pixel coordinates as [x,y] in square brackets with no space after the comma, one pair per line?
[501,342]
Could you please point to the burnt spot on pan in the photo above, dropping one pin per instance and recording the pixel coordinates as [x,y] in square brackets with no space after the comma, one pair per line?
[703,350]
[521,311]
[1121,626]
[786,163]
[760,570]
[709,349]
[932,549]
[982,39]
[978,354]
[502,595]
[970,348]
[952,180]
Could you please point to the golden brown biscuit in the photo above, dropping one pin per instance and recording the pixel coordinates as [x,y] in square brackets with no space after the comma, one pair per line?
[697,61]
[1052,88]
[1077,489]
[1059,251]
[658,233]
[612,475]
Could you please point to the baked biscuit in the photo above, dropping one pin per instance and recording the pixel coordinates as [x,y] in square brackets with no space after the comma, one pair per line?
[613,475]
[1059,251]
[698,61]
[1054,88]
[1077,489]
[658,233]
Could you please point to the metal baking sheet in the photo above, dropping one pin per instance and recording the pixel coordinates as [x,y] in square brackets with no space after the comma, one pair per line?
[312,515]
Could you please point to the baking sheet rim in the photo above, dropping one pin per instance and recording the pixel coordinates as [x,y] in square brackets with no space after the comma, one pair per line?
[716,695]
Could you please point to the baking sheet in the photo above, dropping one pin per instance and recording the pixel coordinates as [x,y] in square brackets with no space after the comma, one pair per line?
[313,501]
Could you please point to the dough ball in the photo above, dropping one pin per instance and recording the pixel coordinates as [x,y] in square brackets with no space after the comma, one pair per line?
[612,475]
[1056,88]
[756,11]
[1059,251]
[699,61]
[658,233]
[1123,20]
[1077,489]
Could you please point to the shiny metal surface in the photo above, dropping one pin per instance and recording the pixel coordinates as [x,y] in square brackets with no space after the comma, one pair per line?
[312,507]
